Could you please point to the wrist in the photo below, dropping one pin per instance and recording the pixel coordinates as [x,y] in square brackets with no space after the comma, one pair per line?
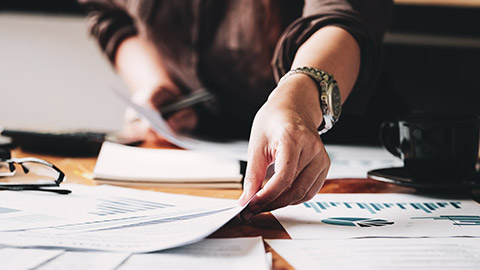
[299,93]
[330,98]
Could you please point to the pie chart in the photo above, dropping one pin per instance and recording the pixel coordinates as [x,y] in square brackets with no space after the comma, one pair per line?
[357,222]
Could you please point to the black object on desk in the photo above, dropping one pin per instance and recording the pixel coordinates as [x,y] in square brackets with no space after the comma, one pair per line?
[58,143]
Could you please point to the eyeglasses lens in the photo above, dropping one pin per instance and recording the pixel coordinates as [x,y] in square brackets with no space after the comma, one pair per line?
[27,173]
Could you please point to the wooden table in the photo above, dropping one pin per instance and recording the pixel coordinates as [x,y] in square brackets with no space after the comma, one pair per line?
[79,170]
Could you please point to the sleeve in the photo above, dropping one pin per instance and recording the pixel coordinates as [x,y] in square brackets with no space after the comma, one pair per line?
[365,20]
[109,23]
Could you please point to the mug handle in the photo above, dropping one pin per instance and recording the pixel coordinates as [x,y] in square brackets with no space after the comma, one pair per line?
[389,138]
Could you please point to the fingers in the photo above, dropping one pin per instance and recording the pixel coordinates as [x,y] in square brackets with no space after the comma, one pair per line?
[254,175]
[286,188]
[162,96]
[286,164]
[315,188]
[183,121]
[306,183]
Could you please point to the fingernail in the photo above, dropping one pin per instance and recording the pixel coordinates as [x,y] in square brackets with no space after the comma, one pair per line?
[240,200]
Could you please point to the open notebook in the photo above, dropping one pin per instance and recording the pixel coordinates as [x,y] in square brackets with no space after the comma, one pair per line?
[133,166]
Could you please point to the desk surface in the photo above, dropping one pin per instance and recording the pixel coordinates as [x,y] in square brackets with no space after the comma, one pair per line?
[79,170]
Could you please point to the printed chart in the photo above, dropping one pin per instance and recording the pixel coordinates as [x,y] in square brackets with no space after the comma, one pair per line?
[374,207]
[380,215]
[120,205]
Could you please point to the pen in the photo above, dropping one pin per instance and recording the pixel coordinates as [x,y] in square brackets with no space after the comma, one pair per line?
[189,100]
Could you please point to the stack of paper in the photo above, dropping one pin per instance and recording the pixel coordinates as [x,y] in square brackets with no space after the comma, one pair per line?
[102,227]
[133,166]
[378,253]
[234,253]
[381,231]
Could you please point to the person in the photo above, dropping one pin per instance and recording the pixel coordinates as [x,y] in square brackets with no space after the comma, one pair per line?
[238,50]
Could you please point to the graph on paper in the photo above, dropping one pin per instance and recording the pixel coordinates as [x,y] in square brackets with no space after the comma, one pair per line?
[123,205]
[357,222]
[457,220]
[380,215]
[376,207]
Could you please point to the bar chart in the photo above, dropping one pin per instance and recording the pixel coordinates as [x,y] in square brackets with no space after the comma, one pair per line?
[456,219]
[375,207]
[122,205]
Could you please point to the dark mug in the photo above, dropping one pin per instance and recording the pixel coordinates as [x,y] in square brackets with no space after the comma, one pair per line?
[435,148]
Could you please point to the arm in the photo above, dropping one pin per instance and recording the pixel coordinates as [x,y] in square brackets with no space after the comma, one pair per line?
[135,59]
[141,67]
[335,37]
[284,131]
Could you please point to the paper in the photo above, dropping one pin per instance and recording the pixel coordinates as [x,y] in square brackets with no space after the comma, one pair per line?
[120,163]
[235,149]
[356,161]
[269,258]
[137,221]
[77,260]
[93,205]
[425,253]
[382,215]
[150,184]
[25,258]
[235,253]
[148,236]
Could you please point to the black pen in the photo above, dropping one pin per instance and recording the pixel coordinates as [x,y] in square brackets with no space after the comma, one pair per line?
[189,100]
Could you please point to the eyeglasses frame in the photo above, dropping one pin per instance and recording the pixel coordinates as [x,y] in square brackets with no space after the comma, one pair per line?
[11,164]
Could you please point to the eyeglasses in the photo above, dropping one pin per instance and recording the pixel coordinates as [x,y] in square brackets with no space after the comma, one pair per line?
[35,174]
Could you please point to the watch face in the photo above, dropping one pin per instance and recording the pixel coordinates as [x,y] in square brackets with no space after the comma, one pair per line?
[336,101]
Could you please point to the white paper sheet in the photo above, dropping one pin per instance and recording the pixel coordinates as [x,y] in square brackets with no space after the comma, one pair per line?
[159,234]
[93,205]
[25,258]
[356,161]
[424,253]
[389,215]
[77,260]
[235,253]
[269,258]
[127,163]
[235,149]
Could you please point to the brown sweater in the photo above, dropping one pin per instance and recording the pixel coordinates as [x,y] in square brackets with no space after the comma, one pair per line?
[239,48]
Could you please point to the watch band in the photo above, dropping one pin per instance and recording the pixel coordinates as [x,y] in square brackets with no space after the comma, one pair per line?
[329,94]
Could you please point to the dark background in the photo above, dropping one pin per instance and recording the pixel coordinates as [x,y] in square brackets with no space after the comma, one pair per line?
[432,64]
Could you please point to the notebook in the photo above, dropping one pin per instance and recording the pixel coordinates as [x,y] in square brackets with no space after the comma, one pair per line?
[169,168]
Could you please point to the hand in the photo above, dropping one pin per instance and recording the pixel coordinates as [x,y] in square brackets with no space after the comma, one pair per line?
[182,121]
[284,132]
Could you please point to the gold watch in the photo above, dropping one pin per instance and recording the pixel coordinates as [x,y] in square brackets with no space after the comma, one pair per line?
[330,101]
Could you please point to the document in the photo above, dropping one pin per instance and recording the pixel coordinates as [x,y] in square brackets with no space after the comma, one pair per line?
[357,161]
[154,235]
[235,253]
[95,205]
[126,165]
[25,258]
[112,219]
[78,260]
[234,149]
[380,215]
[423,253]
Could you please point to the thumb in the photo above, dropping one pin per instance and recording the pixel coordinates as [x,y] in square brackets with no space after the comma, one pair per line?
[254,175]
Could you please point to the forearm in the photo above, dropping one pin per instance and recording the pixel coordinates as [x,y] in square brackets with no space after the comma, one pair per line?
[331,49]
[139,64]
